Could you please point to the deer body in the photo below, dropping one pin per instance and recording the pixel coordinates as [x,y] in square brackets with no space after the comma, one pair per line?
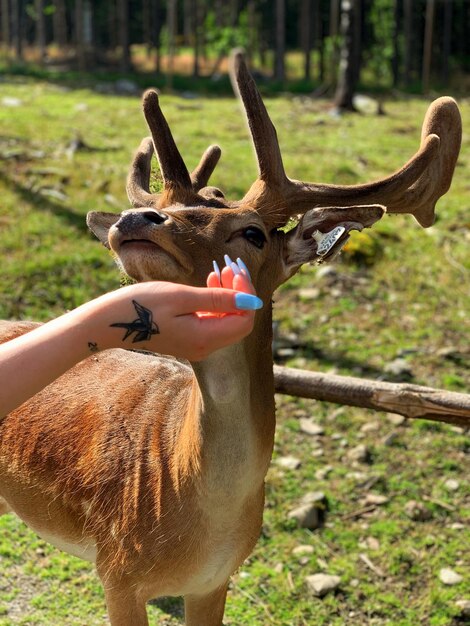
[150,467]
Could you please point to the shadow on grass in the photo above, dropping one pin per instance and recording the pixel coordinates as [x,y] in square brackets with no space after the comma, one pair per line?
[42,203]
[340,360]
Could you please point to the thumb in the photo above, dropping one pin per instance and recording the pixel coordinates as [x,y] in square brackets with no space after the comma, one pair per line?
[217,300]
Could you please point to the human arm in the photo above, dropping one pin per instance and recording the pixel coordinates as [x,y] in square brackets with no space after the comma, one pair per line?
[155,316]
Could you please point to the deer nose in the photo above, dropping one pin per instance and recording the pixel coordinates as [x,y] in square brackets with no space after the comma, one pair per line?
[156,217]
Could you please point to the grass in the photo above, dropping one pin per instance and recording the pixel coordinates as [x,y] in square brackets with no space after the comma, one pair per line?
[400,292]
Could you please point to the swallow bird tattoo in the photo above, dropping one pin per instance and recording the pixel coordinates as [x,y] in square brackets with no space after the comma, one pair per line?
[143,327]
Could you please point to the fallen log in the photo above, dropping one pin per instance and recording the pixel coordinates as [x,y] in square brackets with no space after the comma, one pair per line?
[412,401]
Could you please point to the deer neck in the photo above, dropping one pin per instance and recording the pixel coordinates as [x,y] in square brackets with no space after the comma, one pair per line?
[234,391]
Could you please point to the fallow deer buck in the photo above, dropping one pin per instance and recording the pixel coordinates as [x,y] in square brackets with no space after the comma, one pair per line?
[153,468]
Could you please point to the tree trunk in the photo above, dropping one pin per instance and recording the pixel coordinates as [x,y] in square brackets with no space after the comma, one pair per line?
[40,30]
[188,22]
[347,76]
[79,35]
[194,7]
[252,30]
[146,25]
[306,36]
[59,23]
[408,29]
[17,27]
[156,30]
[6,30]
[279,66]
[412,401]
[171,17]
[447,42]
[123,33]
[396,44]
[334,21]
[427,52]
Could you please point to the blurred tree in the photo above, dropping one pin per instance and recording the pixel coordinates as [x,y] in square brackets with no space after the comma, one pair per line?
[18,15]
[280,47]
[59,22]
[348,72]
[447,41]
[40,30]
[428,36]
[6,17]
[123,31]
[306,35]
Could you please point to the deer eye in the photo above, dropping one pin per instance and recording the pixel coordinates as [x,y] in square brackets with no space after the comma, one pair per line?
[255,236]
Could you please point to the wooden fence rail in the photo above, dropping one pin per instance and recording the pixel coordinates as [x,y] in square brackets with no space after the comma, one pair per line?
[412,401]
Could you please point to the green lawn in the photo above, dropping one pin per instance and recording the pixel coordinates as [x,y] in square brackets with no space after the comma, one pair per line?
[397,292]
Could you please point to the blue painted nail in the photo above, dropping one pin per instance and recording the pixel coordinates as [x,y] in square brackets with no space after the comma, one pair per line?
[216,269]
[247,302]
[235,268]
[242,266]
[228,260]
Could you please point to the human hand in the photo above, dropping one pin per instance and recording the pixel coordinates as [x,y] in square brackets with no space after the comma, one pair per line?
[187,322]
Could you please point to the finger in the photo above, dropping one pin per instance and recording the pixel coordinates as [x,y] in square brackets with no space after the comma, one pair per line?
[213,280]
[242,283]
[227,277]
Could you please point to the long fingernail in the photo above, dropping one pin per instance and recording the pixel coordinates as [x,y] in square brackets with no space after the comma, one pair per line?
[228,260]
[235,268]
[216,269]
[247,302]
[242,266]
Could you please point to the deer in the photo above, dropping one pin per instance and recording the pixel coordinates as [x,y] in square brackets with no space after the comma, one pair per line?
[153,468]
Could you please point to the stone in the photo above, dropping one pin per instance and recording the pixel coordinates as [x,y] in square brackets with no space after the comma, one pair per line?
[449,577]
[399,368]
[126,87]
[288,462]
[309,294]
[417,511]
[370,427]
[464,608]
[321,584]
[323,472]
[309,427]
[311,511]
[375,498]
[359,454]
[396,419]
[303,550]
[451,484]
[390,439]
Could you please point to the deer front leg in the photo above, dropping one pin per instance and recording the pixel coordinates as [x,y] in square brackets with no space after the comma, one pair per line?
[125,607]
[206,610]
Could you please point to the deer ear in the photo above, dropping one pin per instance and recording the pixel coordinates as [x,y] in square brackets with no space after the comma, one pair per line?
[322,232]
[99,223]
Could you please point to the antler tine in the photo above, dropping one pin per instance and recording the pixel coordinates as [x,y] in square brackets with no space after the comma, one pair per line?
[263,133]
[201,174]
[138,179]
[413,189]
[174,171]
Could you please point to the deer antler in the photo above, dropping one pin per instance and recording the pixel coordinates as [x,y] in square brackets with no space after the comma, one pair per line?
[414,189]
[178,184]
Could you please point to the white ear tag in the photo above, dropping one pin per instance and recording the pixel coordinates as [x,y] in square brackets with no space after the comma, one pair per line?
[326,241]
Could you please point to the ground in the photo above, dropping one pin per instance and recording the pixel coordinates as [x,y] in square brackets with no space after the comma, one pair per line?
[394,306]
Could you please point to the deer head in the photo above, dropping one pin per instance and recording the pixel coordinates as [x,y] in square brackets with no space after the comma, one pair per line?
[174,235]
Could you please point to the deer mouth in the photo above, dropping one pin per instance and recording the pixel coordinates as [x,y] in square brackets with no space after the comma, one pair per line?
[130,249]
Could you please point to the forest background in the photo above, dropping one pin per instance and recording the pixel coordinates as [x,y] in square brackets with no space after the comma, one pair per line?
[405,44]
